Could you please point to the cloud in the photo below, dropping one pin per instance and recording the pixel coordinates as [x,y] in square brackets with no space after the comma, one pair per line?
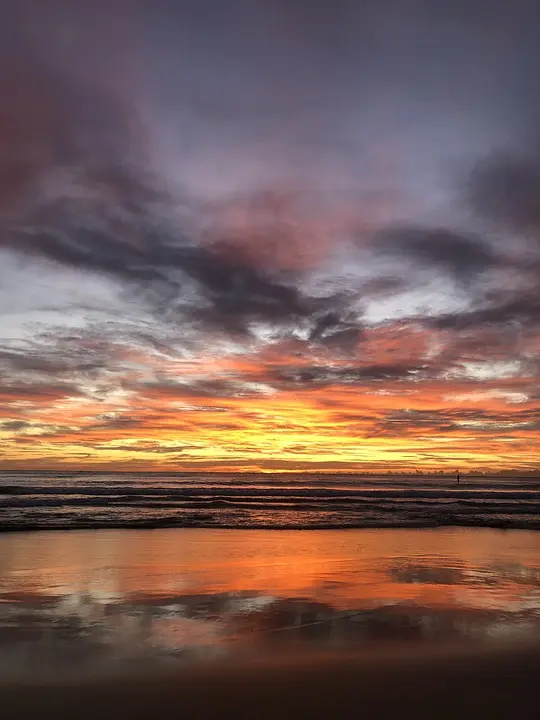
[320,375]
[37,392]
[115,231]
[450,422]
[505,189]
[80,192]
[145,447]
[438,248]
[15,425]
[114,421]
[206,387]
[521,308]
[54,362]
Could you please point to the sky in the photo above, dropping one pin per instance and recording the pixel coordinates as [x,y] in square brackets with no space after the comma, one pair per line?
[270,235]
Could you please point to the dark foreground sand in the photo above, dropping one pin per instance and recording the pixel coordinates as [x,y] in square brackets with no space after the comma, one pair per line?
[446,682]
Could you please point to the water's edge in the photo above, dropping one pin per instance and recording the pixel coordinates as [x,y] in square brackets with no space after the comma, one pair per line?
[156,525]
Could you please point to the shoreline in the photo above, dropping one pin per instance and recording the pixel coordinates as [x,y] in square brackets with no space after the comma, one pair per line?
[153,525]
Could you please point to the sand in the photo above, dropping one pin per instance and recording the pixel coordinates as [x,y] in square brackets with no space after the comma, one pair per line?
[443,682]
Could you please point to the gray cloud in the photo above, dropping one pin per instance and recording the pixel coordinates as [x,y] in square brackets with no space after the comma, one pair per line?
[505,189]
[437,248]
[38,391]
[109,230]
[452,421]
[319,375]
[223,387]
[15,425]
[522,309]
[78,190]
[56,363]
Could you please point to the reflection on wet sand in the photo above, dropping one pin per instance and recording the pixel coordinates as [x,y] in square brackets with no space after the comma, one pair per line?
[93,600]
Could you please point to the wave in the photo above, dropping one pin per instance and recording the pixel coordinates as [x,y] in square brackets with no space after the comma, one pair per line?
[298,491]
[40,501]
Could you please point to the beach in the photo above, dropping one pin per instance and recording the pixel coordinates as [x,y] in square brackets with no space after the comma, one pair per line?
[448,682]
[98,617]
[269,359]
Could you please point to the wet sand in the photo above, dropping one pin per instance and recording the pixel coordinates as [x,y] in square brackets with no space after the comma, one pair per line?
[445,682]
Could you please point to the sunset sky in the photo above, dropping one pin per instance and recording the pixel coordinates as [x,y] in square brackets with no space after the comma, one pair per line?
[270,235]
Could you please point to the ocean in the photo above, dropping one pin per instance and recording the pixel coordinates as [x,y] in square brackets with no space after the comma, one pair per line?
[144,570]
[54,500]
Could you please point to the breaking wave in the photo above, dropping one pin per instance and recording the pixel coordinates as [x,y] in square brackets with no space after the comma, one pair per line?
[87,500]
